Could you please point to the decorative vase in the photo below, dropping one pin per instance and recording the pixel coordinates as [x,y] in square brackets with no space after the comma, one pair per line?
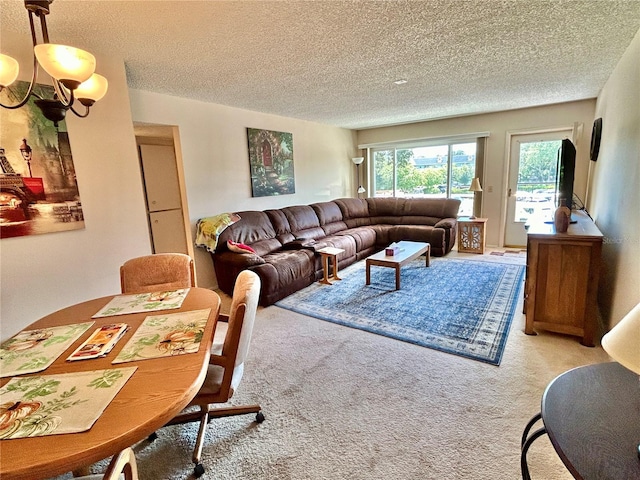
[561,218]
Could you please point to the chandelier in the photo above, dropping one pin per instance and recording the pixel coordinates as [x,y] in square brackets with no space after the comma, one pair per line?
[71,70]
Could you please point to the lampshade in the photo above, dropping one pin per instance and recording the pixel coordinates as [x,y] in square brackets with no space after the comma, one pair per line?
[70,65]
[357,160]
[92,90]
[361,189]
[622,342]
[8,70]
[475,185]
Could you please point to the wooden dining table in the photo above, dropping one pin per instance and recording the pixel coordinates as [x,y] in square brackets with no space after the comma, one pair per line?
[158,390]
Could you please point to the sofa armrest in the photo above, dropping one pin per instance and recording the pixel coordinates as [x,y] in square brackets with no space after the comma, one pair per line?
[450,227]
[446,223]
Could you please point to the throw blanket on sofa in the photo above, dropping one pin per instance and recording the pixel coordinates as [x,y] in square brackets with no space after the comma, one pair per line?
[209,229]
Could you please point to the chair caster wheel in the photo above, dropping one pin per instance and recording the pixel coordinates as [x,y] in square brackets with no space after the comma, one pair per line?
[153,437]
[198,470]
[259,417]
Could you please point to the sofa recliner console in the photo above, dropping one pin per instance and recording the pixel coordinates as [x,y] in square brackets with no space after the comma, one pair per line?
[285,240]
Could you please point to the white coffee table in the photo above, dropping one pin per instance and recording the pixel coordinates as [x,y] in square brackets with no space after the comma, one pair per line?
[407,252]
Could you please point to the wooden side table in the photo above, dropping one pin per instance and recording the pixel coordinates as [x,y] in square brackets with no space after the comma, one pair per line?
[471,234]
[330,253]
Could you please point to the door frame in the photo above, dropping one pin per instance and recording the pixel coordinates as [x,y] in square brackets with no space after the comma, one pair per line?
[169,135]
[575,131]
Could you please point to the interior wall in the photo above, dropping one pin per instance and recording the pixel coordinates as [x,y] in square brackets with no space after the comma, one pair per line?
[216,160]
[499,124]
[615,187]
[46,272]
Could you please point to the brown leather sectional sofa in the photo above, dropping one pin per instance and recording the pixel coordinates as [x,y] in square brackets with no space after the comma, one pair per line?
[285,240]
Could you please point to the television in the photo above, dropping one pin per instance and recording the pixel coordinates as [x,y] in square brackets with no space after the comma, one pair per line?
[565,173]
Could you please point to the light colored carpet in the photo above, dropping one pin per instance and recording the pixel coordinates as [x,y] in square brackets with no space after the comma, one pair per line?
[342,403]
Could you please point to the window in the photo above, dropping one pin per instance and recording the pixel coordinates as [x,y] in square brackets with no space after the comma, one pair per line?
[434,171]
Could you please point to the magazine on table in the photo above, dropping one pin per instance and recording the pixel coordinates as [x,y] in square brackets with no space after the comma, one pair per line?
[100,343]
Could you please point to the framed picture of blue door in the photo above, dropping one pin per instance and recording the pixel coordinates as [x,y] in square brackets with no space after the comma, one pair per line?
[271,162]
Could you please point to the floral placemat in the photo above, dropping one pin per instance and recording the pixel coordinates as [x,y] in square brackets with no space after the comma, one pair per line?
[143,302]
[54,404]
[166,335]
[34,350]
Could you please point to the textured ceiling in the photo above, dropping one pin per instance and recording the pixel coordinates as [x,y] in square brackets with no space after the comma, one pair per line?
[335,61]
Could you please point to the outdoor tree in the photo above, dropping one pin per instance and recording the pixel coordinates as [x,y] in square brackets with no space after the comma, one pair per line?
[538,163]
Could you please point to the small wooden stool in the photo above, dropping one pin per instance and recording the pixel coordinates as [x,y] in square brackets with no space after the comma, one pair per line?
[328,253]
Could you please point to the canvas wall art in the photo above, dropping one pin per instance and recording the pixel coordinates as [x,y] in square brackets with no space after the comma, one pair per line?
[39,192]
[271,162]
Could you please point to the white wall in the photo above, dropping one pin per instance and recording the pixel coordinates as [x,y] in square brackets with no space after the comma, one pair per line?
[43,273]
[499,124]
[216,161]
[615,189]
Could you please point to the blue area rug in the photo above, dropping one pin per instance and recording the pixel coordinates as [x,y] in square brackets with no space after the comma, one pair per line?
[463,307]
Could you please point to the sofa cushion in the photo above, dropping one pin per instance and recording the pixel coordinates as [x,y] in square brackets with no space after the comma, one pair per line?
[414,233]
[432,208]
[387,207]
[355,211]
[329,216]
[280,225]
[254,228]
[299,243]
[288,265]
[303,221]
[365,237]
[344,242]
[383,231]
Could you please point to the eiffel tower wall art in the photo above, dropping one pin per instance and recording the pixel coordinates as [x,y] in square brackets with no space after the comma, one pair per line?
[39,192]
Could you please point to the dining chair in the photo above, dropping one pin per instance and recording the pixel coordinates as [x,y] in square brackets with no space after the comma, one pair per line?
[160,271]
[226,364]
[122,465]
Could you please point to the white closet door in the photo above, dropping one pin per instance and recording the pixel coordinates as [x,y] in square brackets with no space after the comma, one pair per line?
[167,230]
[160,177]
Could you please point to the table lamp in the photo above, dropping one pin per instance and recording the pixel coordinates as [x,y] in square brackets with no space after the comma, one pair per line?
[475,187]
[622,343]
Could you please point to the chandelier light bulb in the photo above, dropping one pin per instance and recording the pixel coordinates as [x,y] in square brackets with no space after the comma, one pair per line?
[69,68]
[9,69]
[92,90]
[69,65]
